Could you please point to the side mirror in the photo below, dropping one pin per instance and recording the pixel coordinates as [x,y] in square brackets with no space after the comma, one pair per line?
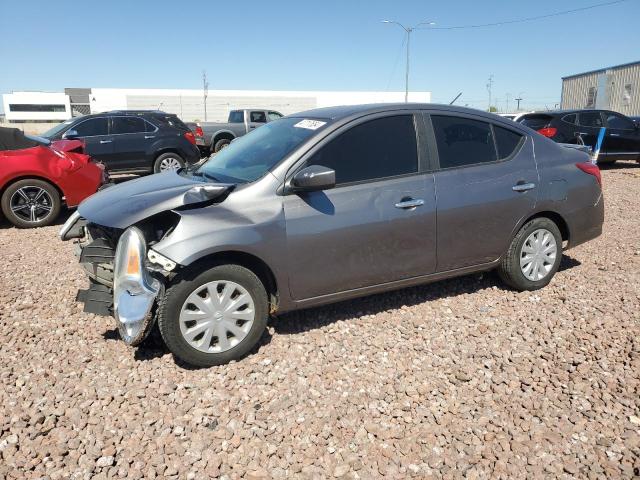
[70,134]
[313,179]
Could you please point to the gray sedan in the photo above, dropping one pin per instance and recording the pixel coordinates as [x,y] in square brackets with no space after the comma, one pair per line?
[327,205]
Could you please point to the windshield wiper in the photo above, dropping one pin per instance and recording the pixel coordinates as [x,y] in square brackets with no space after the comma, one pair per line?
[206,175]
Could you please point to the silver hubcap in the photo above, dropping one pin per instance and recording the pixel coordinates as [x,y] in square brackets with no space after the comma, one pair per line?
[217,316]
[170,163]
[538,254]
[31,204]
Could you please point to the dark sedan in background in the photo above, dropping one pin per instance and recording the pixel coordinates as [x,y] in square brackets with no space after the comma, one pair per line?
[622,134]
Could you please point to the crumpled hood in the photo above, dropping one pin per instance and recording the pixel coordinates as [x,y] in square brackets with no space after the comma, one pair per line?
[125,204]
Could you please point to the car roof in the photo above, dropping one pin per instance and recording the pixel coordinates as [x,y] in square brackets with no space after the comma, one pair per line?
[345,111]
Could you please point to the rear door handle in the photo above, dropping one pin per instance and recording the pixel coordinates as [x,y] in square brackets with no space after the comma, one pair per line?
[614,134]
[523,187]
[410,203]
[147,137]
[106,141]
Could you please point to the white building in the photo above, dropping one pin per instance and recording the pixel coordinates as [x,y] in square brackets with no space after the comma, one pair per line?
[188,104]
[36,107]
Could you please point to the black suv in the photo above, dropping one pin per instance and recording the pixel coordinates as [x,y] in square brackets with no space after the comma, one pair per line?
[132,141]
[622,134]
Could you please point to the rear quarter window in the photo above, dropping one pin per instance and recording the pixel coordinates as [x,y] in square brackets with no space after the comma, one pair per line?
[536,122]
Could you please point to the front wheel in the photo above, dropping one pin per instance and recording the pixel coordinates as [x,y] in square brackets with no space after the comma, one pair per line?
[167,162]
[31,203]
[214,316]
[533,257]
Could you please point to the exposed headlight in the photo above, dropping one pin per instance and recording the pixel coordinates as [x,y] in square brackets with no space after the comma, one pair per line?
[134,290]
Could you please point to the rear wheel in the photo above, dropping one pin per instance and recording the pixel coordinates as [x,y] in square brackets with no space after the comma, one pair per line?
[220,144]
[31,203]
[533,257]
[214,316]
[167,162]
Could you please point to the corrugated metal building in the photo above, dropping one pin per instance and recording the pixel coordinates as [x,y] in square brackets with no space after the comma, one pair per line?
[614,88]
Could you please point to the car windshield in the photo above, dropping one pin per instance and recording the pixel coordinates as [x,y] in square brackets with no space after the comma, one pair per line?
[41,140]
[52,132]
[251,156]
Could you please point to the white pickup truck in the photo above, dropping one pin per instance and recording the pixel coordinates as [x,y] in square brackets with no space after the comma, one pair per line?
[216,136]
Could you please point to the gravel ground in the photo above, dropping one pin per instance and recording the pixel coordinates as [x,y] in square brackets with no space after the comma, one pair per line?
[460,378]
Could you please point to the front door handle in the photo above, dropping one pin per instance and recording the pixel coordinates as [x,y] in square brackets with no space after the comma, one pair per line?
[106,141]
[614,134]
[410,203]
[147,137]
[523,187]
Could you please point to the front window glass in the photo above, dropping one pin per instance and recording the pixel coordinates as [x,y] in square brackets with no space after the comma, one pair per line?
[258,117]
[619,122]
[92,127]
[381,148]
[249,157]
[55,131]
[274,116]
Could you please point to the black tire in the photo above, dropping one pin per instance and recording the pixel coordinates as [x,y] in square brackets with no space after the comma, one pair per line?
[190,281]
[220,144]
[167,157]
[509,269]
[48,199]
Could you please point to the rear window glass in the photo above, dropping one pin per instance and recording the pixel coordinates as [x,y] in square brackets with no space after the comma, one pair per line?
[462,141]
[237,116]
[590,119]
[171,120]
[121,125]
[507,141]
[536,122]
[572,119]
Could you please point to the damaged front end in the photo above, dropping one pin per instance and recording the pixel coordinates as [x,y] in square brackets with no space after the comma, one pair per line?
[127,277]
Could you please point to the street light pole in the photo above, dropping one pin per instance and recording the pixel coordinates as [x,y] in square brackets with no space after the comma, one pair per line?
[408,30]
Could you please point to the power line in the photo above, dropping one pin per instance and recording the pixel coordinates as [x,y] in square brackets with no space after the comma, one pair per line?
[527,19]
[395,64]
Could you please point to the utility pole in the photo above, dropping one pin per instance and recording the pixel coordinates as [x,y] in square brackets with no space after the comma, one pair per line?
[507,108]
[489,87]
[408,30]
[519,99]
[205,92]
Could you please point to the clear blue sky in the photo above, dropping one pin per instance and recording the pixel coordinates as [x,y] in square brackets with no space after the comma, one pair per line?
[306,45]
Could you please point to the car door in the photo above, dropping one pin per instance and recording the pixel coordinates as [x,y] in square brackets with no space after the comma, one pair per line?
[256,119]
[377,225]
[589,125]
[622,137]
[95,134]
[484,187]
[131,141]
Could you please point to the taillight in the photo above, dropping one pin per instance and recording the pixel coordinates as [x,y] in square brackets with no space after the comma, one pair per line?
[199,132]
[548,131]
[191,137]
[591,169]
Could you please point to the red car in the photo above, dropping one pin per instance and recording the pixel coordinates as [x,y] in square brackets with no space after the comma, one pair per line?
[37,176]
